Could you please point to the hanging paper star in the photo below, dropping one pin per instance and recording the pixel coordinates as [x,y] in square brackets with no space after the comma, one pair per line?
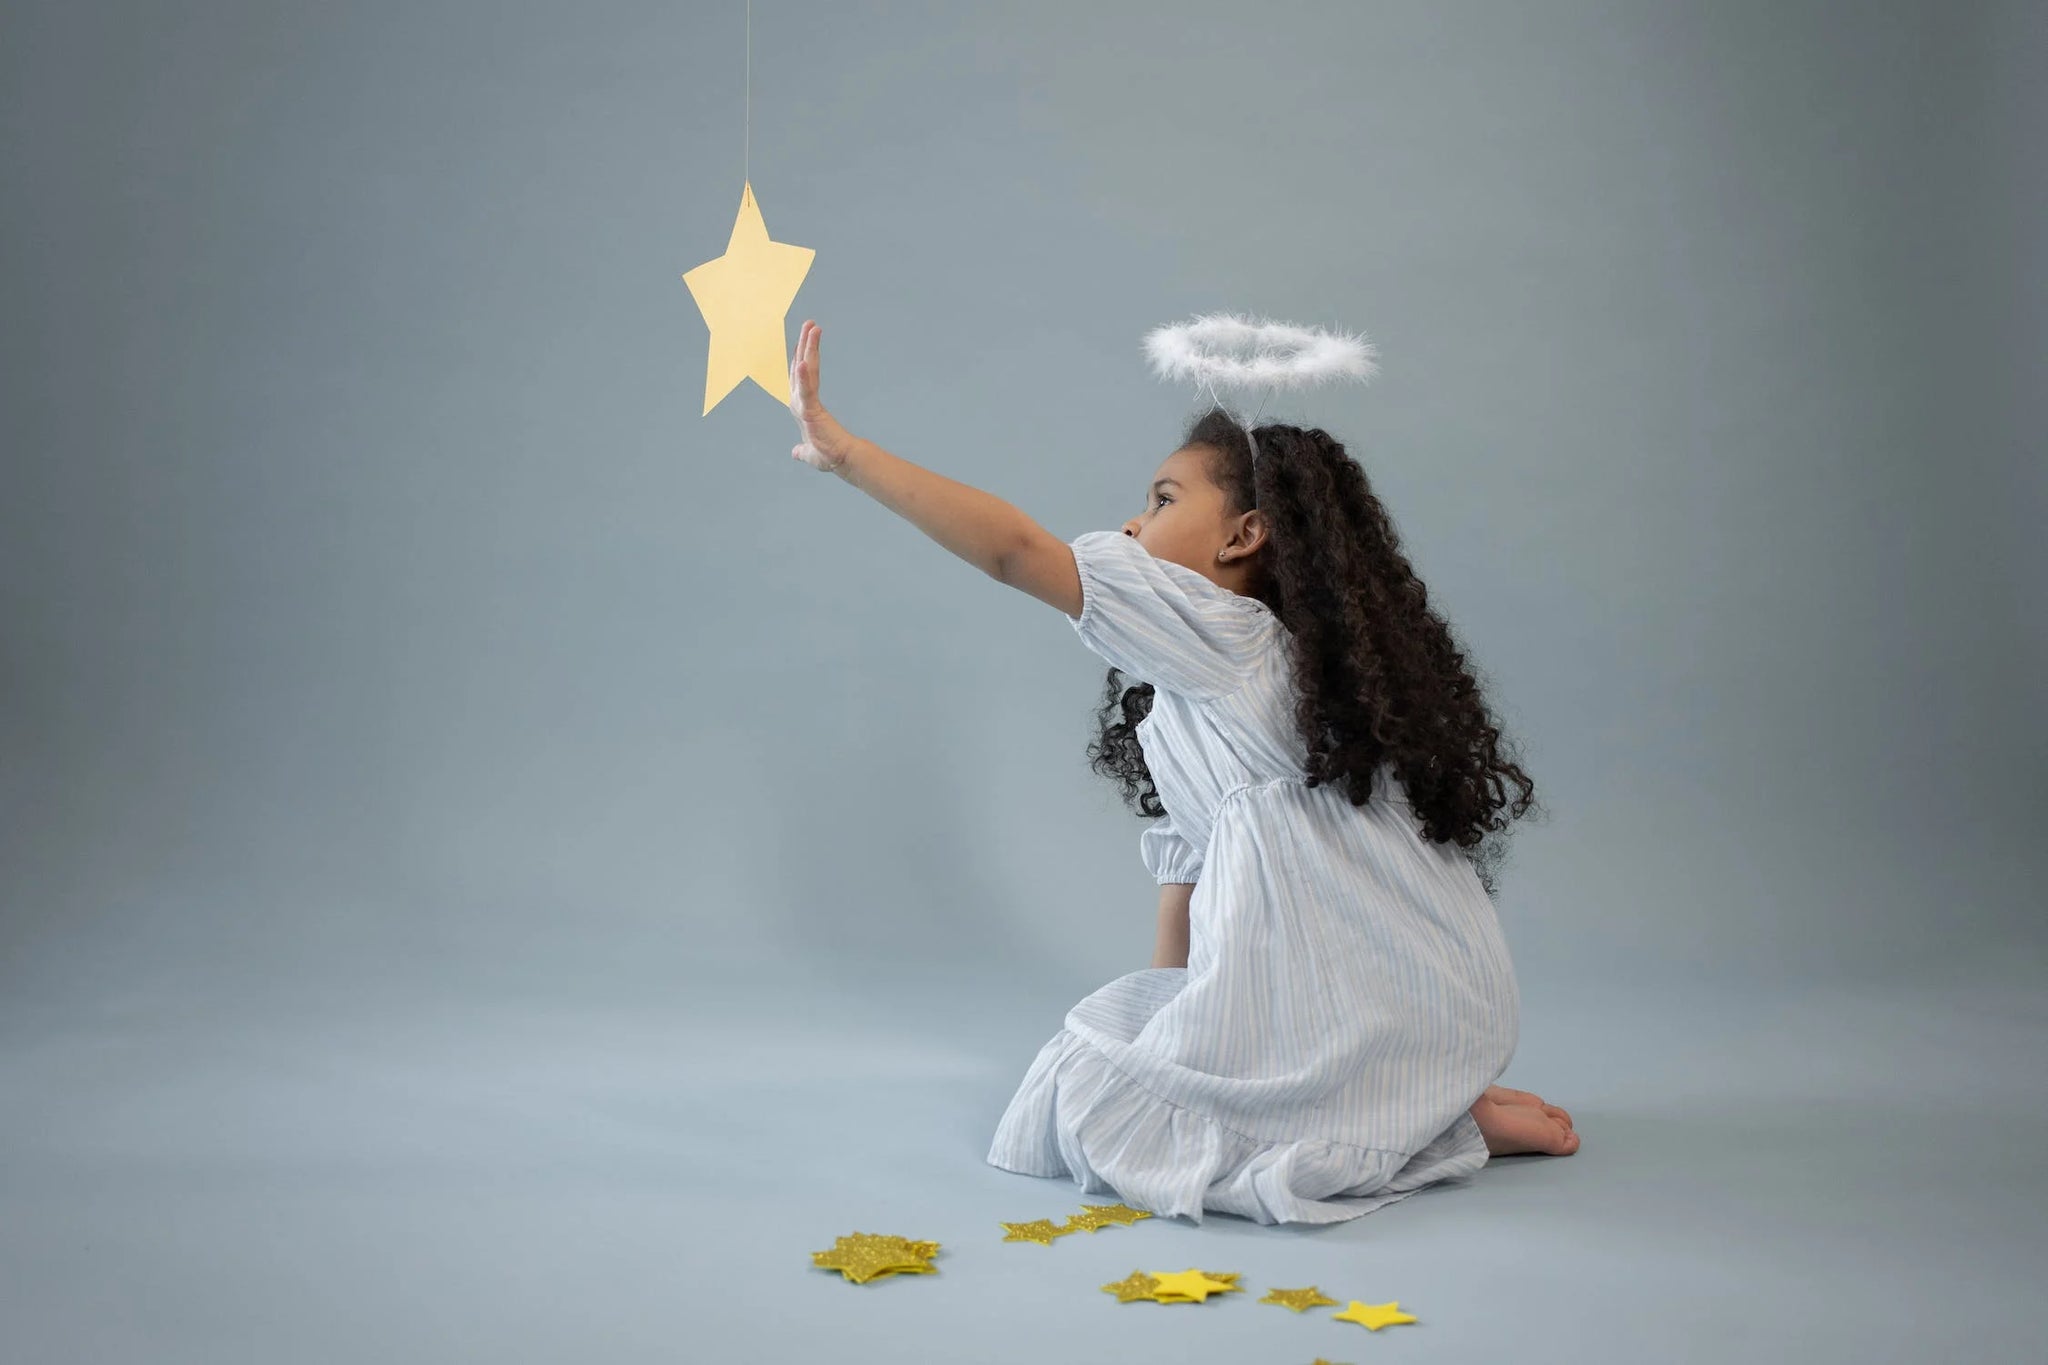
[1373,1315]
[745,297]
[1298,1299]
[865,1256]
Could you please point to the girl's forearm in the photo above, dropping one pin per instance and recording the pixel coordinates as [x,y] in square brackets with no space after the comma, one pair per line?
[1172,948]
[979,527]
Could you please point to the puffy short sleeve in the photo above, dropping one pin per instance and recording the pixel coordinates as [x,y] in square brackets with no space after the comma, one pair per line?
[1169,857]
[1162,622]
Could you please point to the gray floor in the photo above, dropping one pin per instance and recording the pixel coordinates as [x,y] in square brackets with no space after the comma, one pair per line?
[1831,1174]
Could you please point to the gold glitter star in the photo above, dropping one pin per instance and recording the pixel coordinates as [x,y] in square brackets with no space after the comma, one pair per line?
[744,296]
[1089,1219]
[1297,1299]
[1191,1286]
[1136,1285]
[1114,1213]
[1373,1315]
[1320,1361]
[1040,1230]
[866,1256]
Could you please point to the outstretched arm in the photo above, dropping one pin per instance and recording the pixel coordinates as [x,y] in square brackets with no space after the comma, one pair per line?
[1043,565]
[979,527]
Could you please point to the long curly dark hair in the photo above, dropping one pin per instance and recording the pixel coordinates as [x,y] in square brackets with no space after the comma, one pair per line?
[1380,675]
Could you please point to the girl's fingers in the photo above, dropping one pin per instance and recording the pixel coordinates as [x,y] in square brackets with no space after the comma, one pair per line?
[803,366]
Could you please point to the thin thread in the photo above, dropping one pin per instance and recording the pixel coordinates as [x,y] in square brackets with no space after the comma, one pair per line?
[747,145]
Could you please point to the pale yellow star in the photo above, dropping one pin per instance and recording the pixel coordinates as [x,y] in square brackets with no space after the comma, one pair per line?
[745,296]
[1373,1315]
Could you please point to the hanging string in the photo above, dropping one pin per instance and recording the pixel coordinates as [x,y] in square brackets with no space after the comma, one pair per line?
[747,145]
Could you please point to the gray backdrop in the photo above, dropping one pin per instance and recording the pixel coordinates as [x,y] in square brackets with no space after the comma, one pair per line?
[495,862]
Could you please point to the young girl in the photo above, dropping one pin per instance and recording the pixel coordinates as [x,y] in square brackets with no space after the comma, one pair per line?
[1332,998]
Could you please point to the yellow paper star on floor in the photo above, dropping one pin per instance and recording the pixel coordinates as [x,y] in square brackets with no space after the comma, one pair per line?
[1037,1230]
[1300,1300]
[745,296]
[865,1256]
[1192,1286]
[1373,1315]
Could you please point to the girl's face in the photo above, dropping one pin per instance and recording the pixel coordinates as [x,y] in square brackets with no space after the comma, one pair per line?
[1185,521]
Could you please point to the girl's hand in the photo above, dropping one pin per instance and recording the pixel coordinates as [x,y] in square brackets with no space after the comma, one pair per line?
[825,443]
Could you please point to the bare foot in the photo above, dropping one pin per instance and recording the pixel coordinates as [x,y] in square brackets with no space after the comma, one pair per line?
[1512,1127]
[1501,1094]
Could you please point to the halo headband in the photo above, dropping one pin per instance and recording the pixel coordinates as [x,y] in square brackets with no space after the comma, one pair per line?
[1244,352]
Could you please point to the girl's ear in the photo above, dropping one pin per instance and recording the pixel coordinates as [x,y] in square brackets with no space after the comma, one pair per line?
[1255,529]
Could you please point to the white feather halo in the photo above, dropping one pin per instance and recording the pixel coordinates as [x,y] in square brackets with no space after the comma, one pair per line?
[1228,349]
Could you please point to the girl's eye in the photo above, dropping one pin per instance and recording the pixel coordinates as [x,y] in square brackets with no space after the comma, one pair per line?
[1161,498]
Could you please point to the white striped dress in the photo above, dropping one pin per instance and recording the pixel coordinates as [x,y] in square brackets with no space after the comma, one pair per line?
[1348,994]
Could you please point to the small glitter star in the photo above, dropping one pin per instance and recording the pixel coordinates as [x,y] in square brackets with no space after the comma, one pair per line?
[1040,1230]
[866,1256]
[1137,1285]
[1373,1315]
[1091,1218]
[1115,1213]
[1297,1299]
